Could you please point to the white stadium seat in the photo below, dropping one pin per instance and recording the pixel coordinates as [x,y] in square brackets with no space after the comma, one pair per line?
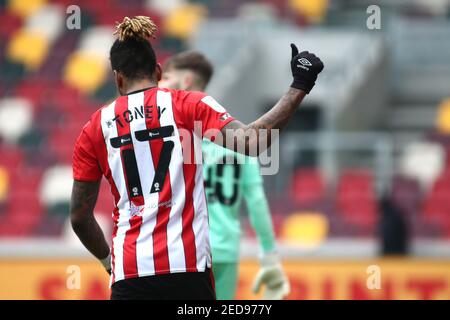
[423,161]
[49,21]
[56,186]
[164,7]
[16,115]
[97,40]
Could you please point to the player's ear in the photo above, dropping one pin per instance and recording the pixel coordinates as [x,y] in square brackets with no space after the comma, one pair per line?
[158,72]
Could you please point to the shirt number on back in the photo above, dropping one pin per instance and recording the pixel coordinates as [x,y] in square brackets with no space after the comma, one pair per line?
[214,181]
[129,159]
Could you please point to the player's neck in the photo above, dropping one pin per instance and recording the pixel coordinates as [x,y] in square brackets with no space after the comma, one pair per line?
[140,85]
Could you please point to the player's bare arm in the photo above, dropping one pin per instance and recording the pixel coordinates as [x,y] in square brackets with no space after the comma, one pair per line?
[275,118]
[84,197]
[305,68]
[279,115]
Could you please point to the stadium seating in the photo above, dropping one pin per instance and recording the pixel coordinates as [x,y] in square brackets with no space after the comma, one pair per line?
[16,117]
[4,184]
[39,31]
[308,229]
[10,23]
[423,161]
[443,118]
[25,8]
[56,185]
[313,11]
[437,204]
[307,188]
[49,92]
[164,7]
[86,68]
[183,21]
[356,200]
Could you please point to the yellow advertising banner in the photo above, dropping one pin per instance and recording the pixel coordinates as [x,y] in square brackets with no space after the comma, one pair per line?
[310,279]
[360,279]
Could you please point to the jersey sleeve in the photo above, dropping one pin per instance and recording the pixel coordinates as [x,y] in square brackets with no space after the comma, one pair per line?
[208,115]
[85,163]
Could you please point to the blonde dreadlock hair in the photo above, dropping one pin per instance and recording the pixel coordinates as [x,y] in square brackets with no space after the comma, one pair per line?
[132,54]
[137,27]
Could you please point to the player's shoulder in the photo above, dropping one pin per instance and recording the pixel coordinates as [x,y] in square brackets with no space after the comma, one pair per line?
[185,96]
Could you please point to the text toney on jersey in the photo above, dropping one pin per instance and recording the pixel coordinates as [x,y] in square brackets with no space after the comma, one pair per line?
[136,113]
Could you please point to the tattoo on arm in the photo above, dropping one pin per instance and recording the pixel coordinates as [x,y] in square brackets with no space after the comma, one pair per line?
[281,113]
[276,118]
[84,197]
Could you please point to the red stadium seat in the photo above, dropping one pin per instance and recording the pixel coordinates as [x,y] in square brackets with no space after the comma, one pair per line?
[436,208]
[23,215]
[26,179]
[356,181]
[307,187]
[356,199]
[361,210]
[62,142]
[33,90]
[11,157]
[61,48]
[10,23]
[67,98]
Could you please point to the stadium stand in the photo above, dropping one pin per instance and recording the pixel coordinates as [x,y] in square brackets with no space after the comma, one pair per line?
[53,78]
[307,188]
[356,200]
[423,161]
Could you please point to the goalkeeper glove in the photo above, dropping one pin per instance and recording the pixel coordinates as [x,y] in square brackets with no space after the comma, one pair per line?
[305,67]
[106,262]
[271,274]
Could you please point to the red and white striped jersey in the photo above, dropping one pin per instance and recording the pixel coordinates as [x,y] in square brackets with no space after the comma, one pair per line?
[146,144]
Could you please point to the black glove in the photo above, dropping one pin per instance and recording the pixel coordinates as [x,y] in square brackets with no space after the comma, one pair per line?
[305,67]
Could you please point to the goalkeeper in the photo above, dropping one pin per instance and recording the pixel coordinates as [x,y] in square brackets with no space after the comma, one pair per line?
[229,178]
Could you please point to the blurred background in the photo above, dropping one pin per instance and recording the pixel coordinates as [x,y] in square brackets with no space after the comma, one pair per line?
[364,173]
